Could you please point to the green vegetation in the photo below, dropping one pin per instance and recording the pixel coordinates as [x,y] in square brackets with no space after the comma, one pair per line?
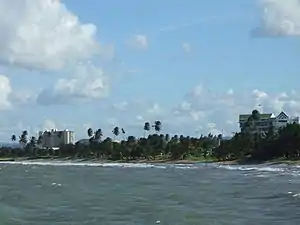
[153,146]
[249,145]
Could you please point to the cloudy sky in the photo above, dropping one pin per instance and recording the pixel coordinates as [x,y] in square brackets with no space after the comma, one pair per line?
[194,65]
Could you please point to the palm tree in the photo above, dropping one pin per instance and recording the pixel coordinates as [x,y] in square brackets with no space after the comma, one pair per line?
[123,132]
[255,115]
[157,126]
[90,132]
[31,146]
[147,128]
[98,135]
[167,137]
[13,138]
[23,138]
[40,140]
[33,141]
[116,132]
[250,125]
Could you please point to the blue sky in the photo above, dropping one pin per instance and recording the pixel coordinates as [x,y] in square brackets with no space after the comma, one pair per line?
[194,65]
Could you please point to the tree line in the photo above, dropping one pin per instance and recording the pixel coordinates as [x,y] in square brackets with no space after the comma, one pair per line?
[249,144]
[153,145]
[252,145]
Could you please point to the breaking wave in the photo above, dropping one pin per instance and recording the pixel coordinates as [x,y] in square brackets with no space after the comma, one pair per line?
[265,168]
[97,164]
[262,170]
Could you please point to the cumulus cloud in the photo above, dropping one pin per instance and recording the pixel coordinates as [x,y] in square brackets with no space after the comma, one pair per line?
[138,41]
[87,83]
[279,18]
[44,34]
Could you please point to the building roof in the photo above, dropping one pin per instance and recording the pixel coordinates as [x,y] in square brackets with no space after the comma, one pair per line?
[262,116]
[282,115]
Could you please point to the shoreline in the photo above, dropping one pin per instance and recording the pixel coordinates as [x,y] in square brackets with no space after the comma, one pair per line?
[159,161]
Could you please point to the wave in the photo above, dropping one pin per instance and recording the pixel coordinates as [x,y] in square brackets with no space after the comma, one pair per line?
[276,169]
[264,170]
[253,168]
[96,164]
[87,164]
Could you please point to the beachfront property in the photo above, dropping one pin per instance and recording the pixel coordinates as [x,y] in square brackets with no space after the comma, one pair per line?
[54,138]
[267,120]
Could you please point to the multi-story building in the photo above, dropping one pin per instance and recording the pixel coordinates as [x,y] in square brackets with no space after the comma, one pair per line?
[268,120]
[54,138]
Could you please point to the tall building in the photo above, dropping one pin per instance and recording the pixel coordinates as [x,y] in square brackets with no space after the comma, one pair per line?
[267,120]
[54,138]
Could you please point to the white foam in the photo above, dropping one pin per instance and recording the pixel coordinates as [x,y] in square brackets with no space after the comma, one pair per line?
[262,169]
[263,175]
[252,168]
[94,164]
[56,184]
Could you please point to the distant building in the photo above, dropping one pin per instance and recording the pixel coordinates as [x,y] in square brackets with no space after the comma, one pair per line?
[268,120]
[54,138]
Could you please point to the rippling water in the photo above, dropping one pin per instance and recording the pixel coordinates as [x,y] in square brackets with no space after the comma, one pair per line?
[44,193]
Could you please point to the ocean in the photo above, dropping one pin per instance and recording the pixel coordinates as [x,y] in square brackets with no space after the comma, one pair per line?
[83,193]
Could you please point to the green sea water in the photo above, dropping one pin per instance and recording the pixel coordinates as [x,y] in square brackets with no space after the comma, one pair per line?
[79,193]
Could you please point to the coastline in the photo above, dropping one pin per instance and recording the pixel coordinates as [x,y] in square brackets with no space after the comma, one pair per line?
[160,161]
[157,161]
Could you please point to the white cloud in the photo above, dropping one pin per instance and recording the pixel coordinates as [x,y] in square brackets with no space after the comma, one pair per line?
[49,125]
[222,109]
[186,47]
[197,91]
[206,111]
[259,95]
[138,41]
[121,105]
[44,34]
[185,106]
[279,18]
[155,108]
[87,83]
[5,91]
[22,97]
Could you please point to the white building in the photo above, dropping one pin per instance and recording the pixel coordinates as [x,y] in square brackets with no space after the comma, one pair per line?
[54,138]
[268,120]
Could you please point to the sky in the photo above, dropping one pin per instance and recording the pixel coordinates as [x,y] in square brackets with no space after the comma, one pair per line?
[193,65]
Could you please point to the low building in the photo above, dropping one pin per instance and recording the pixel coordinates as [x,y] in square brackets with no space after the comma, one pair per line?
[55,138]
[268,120]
